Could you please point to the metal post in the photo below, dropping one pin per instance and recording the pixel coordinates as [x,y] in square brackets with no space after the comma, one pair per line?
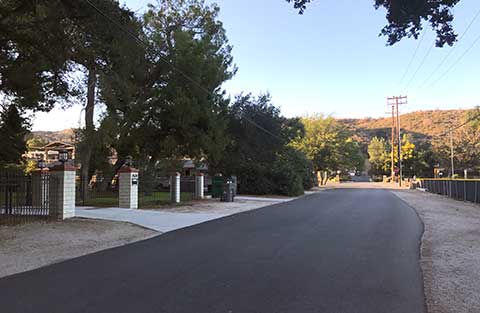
[476,191]
[451,154]
[456,189]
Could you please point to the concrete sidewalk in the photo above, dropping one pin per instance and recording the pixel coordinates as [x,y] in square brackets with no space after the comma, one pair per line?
[155,220]
[171,218]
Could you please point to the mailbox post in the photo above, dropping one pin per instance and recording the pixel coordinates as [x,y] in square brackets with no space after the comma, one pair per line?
[128,187]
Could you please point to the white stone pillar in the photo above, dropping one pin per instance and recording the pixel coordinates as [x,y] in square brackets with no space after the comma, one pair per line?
[175,188]
[199,186]
[128,188]
[61,196]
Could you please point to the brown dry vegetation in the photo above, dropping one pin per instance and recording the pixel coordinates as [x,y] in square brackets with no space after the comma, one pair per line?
[422,125]
[66,135]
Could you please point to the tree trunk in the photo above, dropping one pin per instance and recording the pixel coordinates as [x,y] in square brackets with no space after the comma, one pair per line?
[89,132]
[108,177]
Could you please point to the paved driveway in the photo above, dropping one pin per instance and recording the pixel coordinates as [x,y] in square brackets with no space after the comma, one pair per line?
[176,217]
[338,251]
[155,220]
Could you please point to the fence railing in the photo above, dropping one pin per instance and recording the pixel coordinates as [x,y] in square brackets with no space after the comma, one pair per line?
[153,192]
[459,189]
[26,197]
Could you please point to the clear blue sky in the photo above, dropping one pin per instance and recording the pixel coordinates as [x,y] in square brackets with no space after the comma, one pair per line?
[331,60]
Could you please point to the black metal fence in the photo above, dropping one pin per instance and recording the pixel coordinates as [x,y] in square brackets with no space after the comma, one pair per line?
[155,191]
[27,197]
[460,189]
[96,193]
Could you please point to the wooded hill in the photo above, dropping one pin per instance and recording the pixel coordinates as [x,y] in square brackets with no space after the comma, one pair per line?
[423,126]
[66,135]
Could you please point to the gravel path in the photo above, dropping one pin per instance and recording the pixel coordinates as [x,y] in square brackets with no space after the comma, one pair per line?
[450,251]
[29,246]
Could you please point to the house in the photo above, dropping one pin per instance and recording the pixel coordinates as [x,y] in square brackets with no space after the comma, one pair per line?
[50,152]
[190,168]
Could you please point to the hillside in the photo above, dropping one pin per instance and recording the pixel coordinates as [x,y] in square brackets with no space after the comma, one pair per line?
[65,135]
[422,125]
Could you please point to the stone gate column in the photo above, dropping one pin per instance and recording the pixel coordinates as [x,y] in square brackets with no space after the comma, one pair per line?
[61,197]
[128,188]
[199,186]
[175,188]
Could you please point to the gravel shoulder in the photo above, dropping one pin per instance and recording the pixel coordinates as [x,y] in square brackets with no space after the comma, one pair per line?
[450,253]
[29,246]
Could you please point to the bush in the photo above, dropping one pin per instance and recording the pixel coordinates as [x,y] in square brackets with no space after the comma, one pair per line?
[292,173]
[254,179]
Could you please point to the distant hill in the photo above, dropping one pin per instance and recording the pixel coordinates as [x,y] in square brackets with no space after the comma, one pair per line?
[66,135]
[422,125]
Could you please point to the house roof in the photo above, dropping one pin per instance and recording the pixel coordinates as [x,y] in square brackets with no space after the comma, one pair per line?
[59,144]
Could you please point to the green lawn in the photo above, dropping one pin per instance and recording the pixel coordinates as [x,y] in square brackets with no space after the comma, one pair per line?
[153,200]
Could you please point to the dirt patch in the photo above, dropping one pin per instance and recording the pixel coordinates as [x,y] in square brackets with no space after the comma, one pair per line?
[450,253]
[29,246]
[217,207]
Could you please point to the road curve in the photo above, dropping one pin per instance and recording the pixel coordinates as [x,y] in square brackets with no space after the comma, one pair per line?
[345,250]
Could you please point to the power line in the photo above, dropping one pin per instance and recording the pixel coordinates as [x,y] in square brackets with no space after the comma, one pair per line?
[461,125]
[413,57]
[419,67]
[451,50]
[147,46]
[456,62]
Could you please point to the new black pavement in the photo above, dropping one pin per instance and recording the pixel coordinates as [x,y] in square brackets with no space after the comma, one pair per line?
[339,251]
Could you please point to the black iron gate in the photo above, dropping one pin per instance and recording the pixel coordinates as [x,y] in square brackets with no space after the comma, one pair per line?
[97,192]
[26,197]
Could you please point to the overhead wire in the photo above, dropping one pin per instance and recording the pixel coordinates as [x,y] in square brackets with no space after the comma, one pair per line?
[470,119]
[413,57]
[419,67]
[477,39]
[451,50]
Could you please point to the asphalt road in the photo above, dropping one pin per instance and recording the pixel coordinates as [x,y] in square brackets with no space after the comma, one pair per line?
[339,251]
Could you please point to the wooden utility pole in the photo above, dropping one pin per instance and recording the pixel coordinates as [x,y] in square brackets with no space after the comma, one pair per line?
[392,167]
[395,102]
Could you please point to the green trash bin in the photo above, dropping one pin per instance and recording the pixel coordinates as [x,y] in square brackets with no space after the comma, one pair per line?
[217,186]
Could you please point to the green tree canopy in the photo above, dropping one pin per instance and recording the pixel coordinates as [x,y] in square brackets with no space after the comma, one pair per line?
[328,145]
[378,156]
[174,106]
[13,130]
[257,151]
